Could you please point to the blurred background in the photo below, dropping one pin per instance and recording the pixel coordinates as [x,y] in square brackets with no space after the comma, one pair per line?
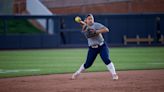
[28,24]
[40,27]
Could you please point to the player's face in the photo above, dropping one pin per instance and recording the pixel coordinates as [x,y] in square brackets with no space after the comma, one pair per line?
[89,20]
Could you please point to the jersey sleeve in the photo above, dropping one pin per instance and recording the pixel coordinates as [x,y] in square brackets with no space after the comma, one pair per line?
[99,26]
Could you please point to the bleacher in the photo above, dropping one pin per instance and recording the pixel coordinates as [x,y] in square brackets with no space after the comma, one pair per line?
[138,40]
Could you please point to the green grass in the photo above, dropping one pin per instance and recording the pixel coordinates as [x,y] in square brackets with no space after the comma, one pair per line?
[19,27]
[68,60]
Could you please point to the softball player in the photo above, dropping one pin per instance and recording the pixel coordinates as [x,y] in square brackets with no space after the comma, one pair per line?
[93,32]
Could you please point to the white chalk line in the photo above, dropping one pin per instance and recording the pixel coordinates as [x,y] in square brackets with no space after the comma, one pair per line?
[156,63]
[18,70]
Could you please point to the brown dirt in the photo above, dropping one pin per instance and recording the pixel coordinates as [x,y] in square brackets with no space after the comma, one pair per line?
[129,81]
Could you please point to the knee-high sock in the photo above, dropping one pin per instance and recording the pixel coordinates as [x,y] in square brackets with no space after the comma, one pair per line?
[111,68]
[81,69]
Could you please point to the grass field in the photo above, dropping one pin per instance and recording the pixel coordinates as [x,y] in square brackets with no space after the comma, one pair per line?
[35,62]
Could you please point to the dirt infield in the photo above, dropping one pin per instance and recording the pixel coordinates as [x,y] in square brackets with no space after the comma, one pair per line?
[129,81]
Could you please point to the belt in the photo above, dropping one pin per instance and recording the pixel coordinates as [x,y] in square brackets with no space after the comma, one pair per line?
[97,45]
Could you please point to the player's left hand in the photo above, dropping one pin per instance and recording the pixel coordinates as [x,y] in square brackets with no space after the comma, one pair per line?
[91,33]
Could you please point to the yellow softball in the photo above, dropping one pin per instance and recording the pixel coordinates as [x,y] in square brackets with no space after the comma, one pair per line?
[77,19]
